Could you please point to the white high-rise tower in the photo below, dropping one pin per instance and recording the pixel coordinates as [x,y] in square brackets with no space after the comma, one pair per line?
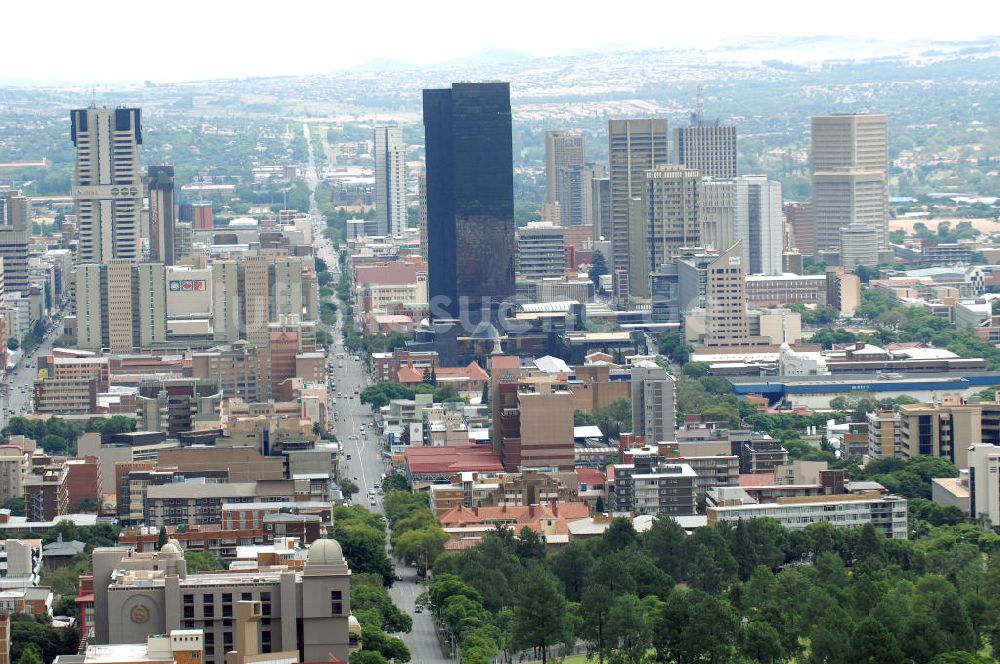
[107,183]
[390,180]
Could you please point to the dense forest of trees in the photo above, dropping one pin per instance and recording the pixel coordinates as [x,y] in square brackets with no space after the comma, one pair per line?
[754,592]
[750,592]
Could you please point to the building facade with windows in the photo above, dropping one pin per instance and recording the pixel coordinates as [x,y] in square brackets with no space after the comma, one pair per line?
[305,606]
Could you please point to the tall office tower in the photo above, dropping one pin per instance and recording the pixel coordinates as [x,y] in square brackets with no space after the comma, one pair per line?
[850,162]
[718,213]
[91,324]
[802,220]
[600,208]
[120,299]
[422,184]
[707,146]
[470,200]
[183,240]
[160,189]
[390,180]
[151,282]
[726,321]
[634,147]
[15,210]
[107,183]
[636,282]
[286,287]
[255,296]
[653,404]
[759,223]
[671,206]
[858,246]
[575,193]
[562,150]
[15,232]
[540,251]
[225,300]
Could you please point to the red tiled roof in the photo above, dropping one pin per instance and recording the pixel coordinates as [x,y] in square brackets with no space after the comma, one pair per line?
[589,476]
[472,372]
[423,460]
[398,272]
[522,515]
[757,479]
[505,362]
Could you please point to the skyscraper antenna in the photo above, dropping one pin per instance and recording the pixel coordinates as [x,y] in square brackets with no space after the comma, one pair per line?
[93,97]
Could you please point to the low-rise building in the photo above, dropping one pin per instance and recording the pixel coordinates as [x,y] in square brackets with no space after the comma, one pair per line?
[433,465]
[46,490]
[307,610]
[883,434]
[886,512]
[192,503]
[649,485]
[180,646]
[472,489]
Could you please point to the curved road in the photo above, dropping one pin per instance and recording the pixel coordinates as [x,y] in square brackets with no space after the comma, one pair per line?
[367,461]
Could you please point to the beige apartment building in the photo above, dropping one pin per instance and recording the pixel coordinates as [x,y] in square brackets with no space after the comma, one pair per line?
[14,463]
[303,607]
[546,427]
[884,434]
[191,503]
[653,403]
[947,428]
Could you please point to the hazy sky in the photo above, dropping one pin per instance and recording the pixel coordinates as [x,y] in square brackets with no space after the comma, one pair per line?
[172,40]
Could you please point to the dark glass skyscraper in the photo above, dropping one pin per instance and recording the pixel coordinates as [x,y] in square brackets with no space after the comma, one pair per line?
[470,200]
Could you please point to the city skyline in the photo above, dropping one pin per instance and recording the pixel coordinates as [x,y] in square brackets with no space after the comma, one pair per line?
[524,29]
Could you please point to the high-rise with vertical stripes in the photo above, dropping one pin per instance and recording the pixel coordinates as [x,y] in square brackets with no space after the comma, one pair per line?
[390,180]
[107,183]
[634,147]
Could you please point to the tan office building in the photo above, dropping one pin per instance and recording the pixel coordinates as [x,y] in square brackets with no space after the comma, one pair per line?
[255,294]
[945,429]
[634,147]
[562,150]
[671,215]
[850,161]
[225,300]
[726,321]
[708,147]
[306,609]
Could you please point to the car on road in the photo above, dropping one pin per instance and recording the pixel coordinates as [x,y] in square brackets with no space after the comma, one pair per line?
[349,458]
